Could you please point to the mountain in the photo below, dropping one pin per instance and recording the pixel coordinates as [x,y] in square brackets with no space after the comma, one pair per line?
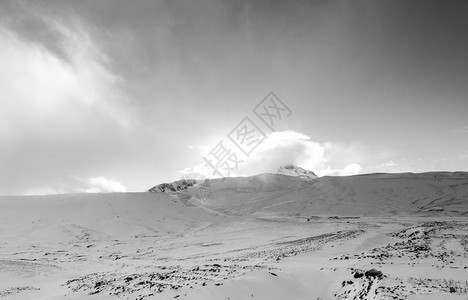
[266,195]
[292,170]
[186,183]
[242,237]
[179,185]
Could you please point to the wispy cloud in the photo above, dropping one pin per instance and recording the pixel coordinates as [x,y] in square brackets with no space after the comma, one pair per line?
[201,148]
[64,106]
[397,165]
[351,169]
[461,130]
[103,185]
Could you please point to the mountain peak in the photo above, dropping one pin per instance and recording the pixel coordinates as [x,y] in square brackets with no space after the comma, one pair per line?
[292,170]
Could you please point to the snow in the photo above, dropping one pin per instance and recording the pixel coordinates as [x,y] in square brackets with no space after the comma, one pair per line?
[292,170]
[268,236]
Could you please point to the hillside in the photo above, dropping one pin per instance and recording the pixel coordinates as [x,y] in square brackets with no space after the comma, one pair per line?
[362,195]
[96,216]
[265,237]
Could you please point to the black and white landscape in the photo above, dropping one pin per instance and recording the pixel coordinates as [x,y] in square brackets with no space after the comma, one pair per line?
[234,149]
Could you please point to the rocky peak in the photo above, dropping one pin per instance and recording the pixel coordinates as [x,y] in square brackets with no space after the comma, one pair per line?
[292,170]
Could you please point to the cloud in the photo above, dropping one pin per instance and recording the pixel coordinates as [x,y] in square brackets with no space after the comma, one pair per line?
[198,147]
[285,147]
[37,80]
[42,191]
[76,184]
[399,165]
[351,169]
[461,130]
[60,111]
[289,147]
[103,185]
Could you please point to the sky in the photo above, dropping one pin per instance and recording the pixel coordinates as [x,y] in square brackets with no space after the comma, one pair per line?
[104,96]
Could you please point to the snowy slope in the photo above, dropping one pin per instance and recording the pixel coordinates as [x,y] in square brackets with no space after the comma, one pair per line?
[99,216]
[370,194]
[159,246]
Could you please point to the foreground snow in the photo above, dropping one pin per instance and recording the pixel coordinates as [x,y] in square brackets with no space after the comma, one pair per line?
[152,246]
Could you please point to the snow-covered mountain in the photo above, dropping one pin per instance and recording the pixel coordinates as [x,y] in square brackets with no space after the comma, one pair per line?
[292,170]
[69,244]
[368,194]
[441,193]
[190,192]
[187,183]
[179,185]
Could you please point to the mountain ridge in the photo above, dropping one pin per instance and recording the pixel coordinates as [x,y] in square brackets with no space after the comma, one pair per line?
[296,171]
[358,195]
